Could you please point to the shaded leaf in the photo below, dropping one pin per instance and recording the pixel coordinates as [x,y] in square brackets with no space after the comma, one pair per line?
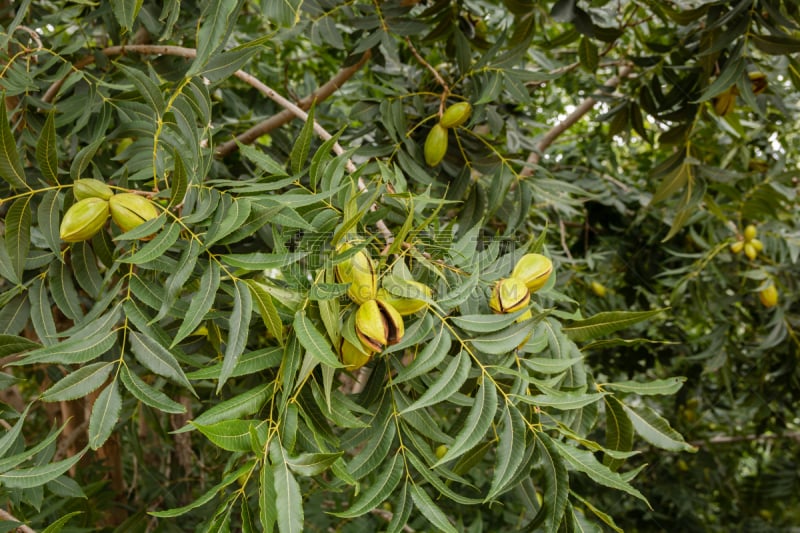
[446,384]
[511,445]
[238,331]
[584,461]
[240,405]
[619,431]
[201,302]
[232,435]
[206,496]
[76,350]
[46,152]
[125,12]
[59,524]
[157,359]
[656,430]
[83,158]
[302,145]
[311,464]
[659,386]
[430,510]
[10,165]
[18,233]
[477,423]
[556,484]
[383,487]
[605,323]
[154,248]
[48,218]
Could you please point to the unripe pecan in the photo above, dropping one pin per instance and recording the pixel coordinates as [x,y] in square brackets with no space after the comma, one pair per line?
[534,270]
[352,356]
[378,324]
[83,219]
[130,210]
[412,299]
[509,295]
[436,145]
[91,188]
[359,272]
[456,115]
[769,296]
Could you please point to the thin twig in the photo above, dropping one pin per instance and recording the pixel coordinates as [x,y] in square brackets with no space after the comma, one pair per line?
[285,116]
[563,230]
[251,80]
[729,439]
[31,33]
[388,515]
[436,75]
[583,108]
[63,446]
[5,515]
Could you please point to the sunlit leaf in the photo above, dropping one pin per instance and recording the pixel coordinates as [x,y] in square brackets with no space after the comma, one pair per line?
[79,383]
[105,415]
[26,478]
[231,435]
[148,394]
[289,499]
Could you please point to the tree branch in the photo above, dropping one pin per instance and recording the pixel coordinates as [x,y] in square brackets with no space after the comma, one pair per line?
[285,116]
[251,80]
[583,108]
[729,439]
[8,516]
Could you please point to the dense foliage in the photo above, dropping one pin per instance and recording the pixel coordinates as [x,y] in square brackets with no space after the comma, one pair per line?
[201,285]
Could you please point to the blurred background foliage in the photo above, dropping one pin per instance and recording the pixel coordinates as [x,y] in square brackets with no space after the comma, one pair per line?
[639,138]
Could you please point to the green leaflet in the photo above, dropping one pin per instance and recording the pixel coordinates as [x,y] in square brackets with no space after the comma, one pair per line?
[447,383]
[430,510]
[656,430]
[79,383]
[477,423]
[105,415]
[148,394]
[25,478]
[289,500]
[313,341]
[382,488]
[605,323]
[238,331]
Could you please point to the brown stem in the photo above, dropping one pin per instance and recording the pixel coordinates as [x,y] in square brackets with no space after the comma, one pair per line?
[388,515]
[285,116]
[436,75]
[729,439]
[583,108]
[5,515]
